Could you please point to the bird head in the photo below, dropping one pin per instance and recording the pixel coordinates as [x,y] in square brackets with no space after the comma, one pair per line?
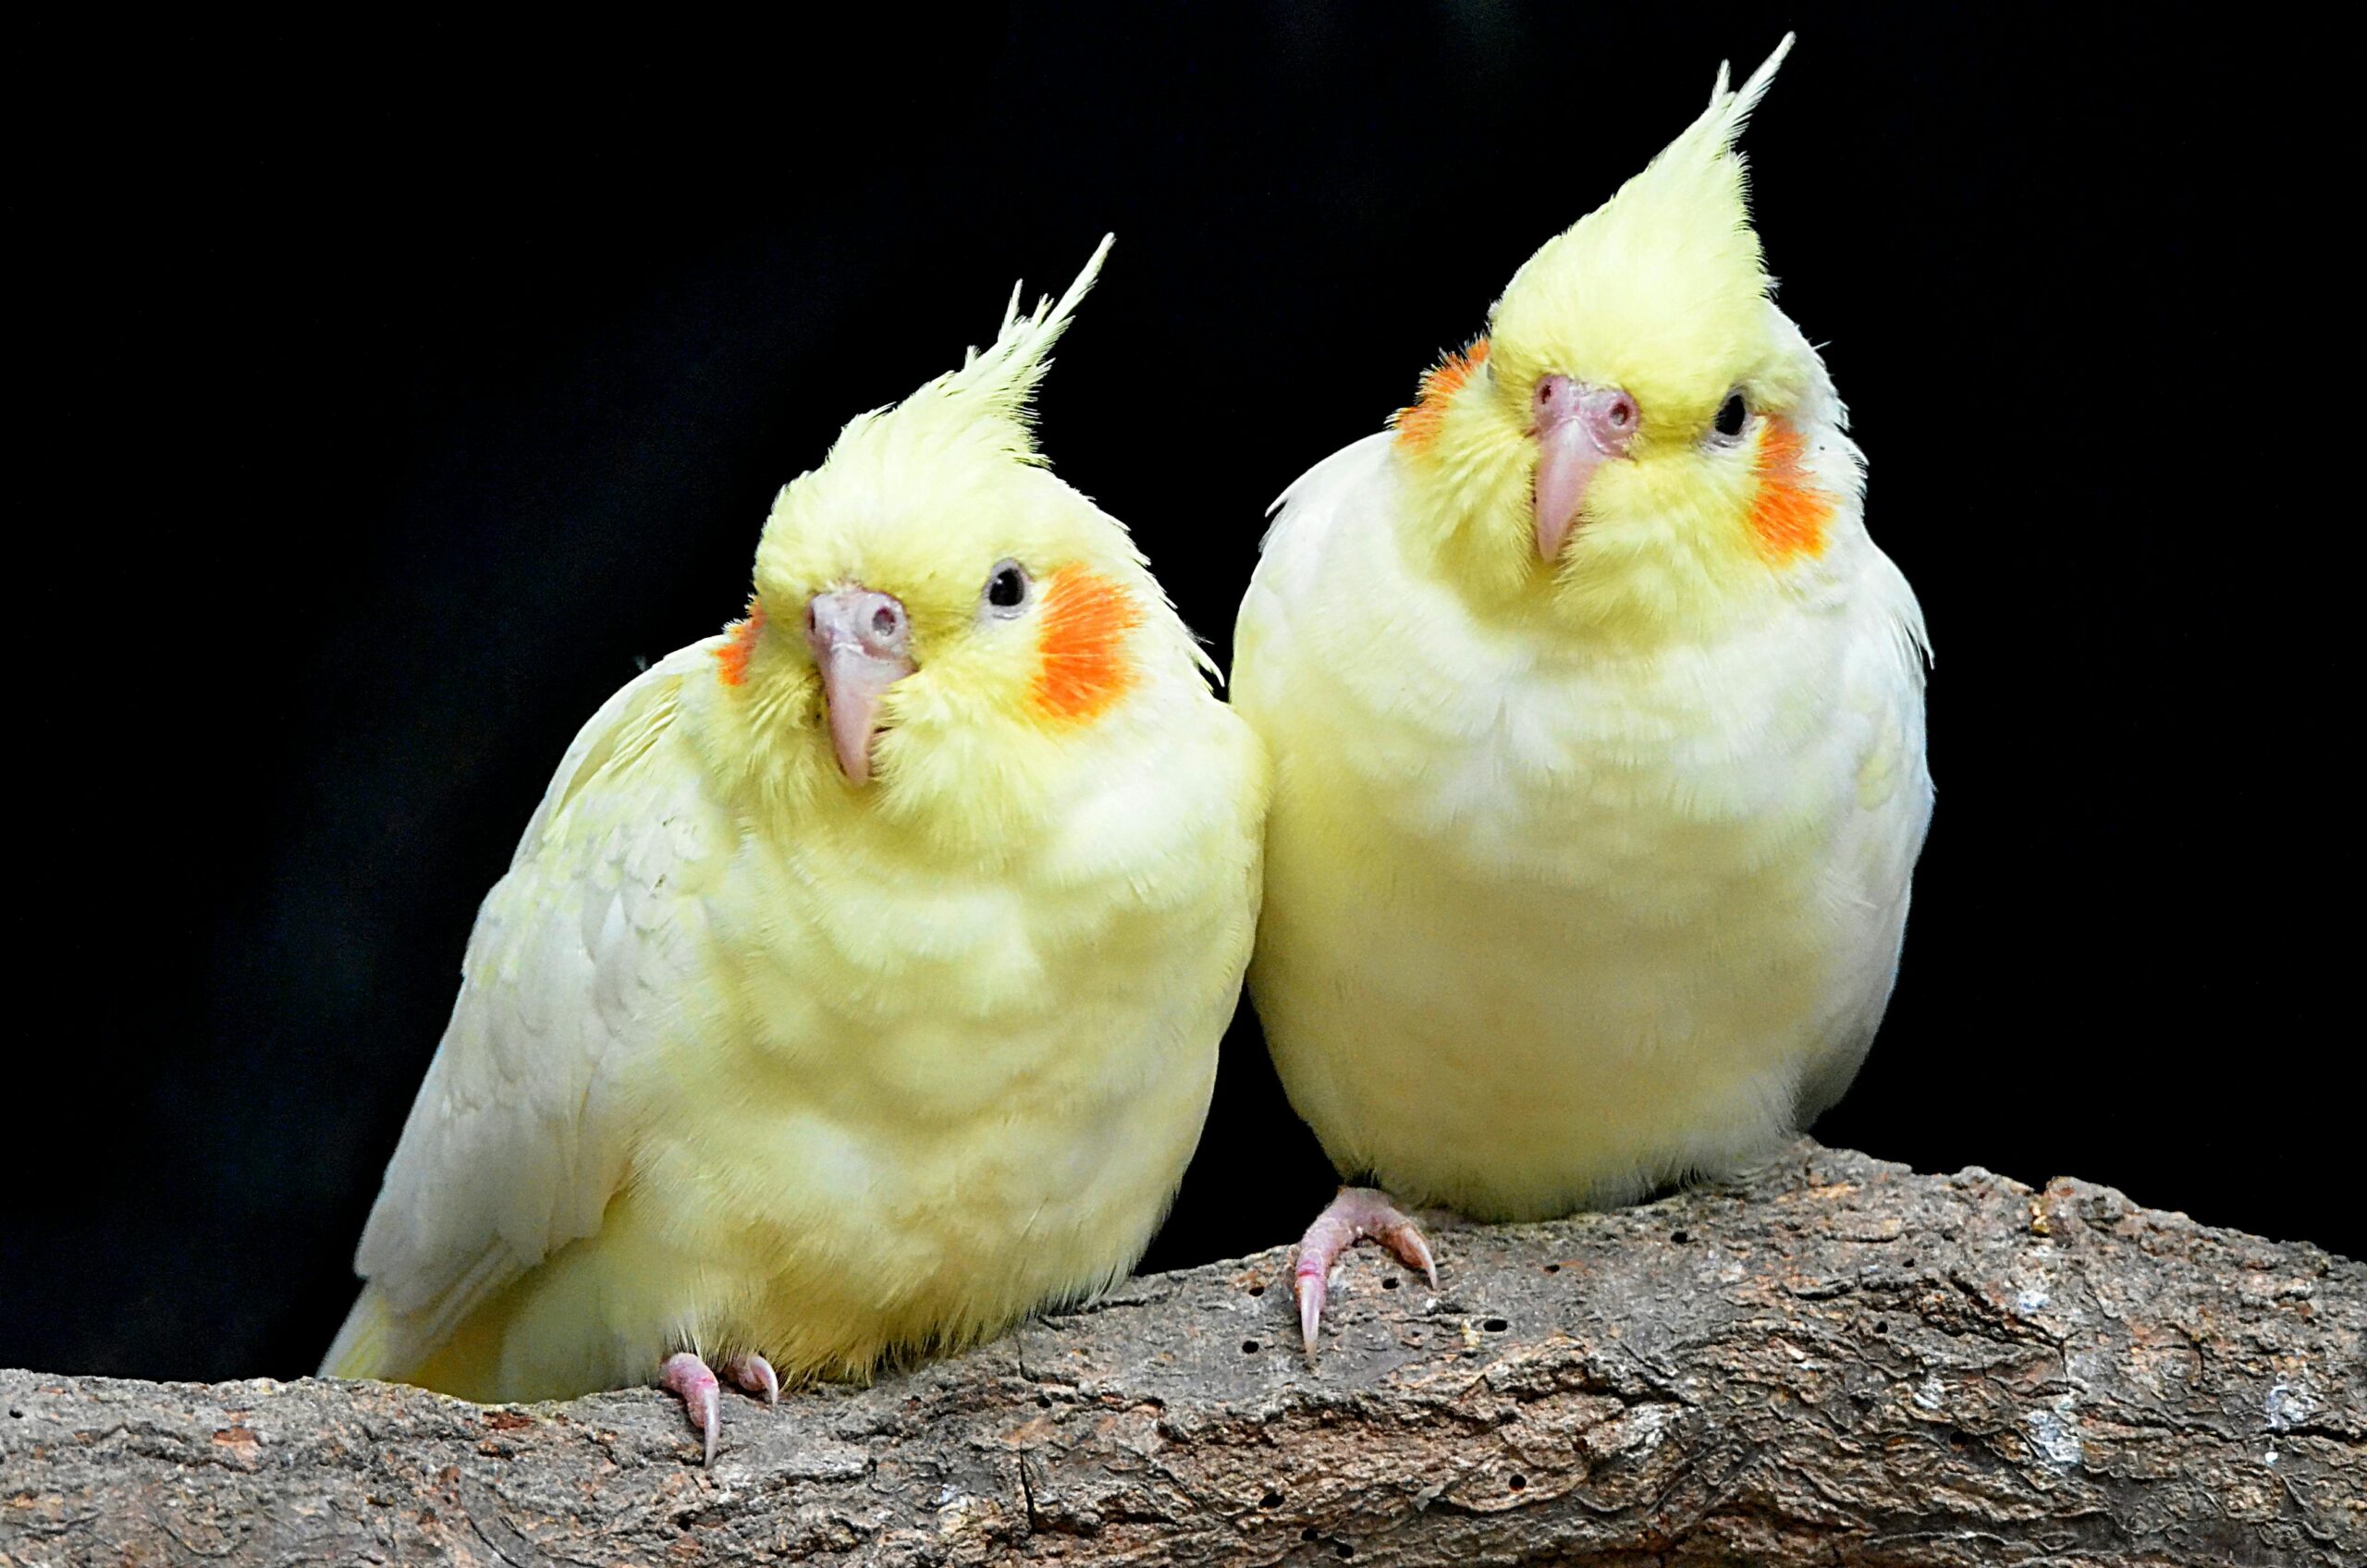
[1641,436]
[935,613]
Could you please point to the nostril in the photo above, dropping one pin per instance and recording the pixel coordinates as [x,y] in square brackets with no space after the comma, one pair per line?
[883,620]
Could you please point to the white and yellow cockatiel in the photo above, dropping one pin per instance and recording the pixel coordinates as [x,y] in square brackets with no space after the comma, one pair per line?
[1596,724]
[857,989]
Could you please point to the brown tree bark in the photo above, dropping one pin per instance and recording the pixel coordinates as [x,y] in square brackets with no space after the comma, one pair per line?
[1832,1361]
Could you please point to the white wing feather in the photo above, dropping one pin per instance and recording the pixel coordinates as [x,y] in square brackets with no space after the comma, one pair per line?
[577,962]
[1874,853]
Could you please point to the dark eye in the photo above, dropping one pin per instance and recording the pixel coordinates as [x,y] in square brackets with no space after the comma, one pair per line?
[1006,587]
[1731,414]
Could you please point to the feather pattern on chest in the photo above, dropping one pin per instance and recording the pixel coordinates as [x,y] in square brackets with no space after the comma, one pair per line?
[1547,923]
[857,989]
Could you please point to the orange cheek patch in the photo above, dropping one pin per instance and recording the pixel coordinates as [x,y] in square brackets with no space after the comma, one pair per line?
[1418,426]
[732,660]
[1082,665]
[1788,515]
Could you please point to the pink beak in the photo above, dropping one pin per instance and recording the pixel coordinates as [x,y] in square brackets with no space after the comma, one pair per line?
[1578,427]
[862,644]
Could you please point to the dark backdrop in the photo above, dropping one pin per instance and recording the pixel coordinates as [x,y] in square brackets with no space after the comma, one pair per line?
[387,397]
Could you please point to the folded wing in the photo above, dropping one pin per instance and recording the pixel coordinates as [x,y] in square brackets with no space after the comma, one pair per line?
[582,957]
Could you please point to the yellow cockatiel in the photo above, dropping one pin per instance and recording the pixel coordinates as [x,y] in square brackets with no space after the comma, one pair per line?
[857,986]
[1596,724]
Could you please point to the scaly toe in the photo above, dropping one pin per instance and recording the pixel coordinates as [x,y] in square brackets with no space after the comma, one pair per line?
[1412,1251]
[753,1374]
[687,1378]
[1357,1214]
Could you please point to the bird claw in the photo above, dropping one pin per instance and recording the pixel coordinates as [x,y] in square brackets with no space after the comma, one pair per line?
[1357,1214]
[1412,1251]
[687,1378]
[752,1374]
[1311,1289]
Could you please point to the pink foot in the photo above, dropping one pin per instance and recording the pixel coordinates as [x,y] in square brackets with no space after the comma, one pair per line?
[1357,1214]
[686,1378]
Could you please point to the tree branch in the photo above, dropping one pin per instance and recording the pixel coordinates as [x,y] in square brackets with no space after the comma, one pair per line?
[1831,1361]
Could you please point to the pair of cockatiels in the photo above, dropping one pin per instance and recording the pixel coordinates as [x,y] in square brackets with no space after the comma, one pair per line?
[857,986]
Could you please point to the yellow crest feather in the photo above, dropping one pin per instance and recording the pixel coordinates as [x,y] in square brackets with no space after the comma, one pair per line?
[998,381]
[1661,289]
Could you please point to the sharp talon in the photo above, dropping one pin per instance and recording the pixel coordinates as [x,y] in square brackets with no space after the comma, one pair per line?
[1310,1291]
[752,1374]
[687,1378]
[1412,1251]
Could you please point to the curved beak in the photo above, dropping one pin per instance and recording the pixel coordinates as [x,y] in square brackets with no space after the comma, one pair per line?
[1579,427]
[862,644]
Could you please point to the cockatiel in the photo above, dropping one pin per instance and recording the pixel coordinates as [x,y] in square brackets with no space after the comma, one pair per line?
[1597,725]
[857,989]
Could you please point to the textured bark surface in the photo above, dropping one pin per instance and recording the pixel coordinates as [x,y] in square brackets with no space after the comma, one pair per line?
[1834,1361]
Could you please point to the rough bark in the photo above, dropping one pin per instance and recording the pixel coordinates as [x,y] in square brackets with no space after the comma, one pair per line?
[1834,1361]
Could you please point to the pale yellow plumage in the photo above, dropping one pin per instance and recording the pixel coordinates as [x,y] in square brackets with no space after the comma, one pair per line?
[1588,872]
[749,1058]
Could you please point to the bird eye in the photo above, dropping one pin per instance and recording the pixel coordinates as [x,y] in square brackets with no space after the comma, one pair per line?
[1007,588]
[1731,415]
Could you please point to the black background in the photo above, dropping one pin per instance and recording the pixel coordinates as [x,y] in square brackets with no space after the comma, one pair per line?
[389,396]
